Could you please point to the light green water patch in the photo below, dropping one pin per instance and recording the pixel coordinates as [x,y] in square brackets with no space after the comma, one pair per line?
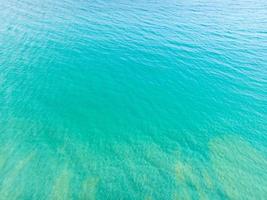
[235,170]
[10,187]
[239,167]
[82,183]
[182,194]
[147,166]
[6,151]
[61,188]
[89,188]
[194,182]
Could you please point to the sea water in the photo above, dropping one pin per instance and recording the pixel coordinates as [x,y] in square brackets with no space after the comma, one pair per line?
[133,99]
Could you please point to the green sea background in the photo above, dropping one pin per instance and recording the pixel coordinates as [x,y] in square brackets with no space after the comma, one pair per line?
[133,99]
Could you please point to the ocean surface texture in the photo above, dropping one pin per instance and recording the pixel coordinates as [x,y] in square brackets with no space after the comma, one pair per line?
[149,100]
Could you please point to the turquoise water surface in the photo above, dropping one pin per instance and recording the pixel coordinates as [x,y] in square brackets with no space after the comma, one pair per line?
[133,99]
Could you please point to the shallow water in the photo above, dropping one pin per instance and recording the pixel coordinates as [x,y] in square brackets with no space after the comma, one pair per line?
[133,99]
